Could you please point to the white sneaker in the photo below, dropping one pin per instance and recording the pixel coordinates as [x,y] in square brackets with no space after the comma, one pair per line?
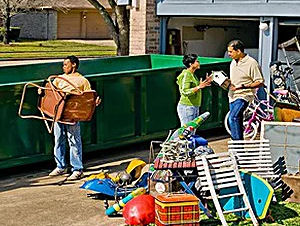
[76,175]
[57,172]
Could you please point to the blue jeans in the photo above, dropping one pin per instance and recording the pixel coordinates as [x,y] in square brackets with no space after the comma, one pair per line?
[235,119]
[187,113]
[74,140]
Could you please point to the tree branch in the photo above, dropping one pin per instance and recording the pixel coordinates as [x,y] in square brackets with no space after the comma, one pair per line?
[105,15]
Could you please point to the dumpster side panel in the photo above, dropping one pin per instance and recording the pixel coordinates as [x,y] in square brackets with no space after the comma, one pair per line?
[137,105]
[23,139]
[161,101]
[118,108]
[31,72]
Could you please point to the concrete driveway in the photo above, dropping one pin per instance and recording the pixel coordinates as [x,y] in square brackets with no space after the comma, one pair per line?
[33,198]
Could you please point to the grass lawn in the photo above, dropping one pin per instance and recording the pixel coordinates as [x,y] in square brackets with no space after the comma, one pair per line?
[53,49]
[283,213]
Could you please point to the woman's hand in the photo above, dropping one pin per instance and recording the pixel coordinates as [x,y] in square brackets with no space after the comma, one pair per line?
[205,83]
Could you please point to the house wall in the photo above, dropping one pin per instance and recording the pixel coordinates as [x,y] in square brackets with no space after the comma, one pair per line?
[36,25]
[144,28]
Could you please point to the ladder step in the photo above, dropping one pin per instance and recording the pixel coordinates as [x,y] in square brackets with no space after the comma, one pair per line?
[229,195]
[236,210]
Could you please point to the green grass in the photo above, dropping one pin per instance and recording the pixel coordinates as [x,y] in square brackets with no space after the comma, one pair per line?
[53,49]
[283,213]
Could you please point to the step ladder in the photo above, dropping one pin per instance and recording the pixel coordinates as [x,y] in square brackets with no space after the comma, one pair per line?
[254,156]
[218,171]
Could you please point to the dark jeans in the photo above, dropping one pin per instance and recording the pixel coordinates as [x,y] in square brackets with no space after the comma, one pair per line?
[235,119]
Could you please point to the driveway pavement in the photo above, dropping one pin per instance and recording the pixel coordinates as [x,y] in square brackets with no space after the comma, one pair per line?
[33,198]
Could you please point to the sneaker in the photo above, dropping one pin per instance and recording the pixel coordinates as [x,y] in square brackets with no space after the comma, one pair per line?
[57,172]
[76,175]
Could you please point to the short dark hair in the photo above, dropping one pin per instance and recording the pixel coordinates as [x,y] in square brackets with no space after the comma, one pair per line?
[237,44]
[189,59]
[74,60]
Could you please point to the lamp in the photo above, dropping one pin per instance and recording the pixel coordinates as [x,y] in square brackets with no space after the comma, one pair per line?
[263,26]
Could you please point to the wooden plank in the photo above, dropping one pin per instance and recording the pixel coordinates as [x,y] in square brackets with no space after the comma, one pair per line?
[165,165]
[193,164]
[264,155]
[228,185]
[241,161]
[256,166]
[229,195]
[221,182]
[220,165]
[248,146]
[214,171]
[243,191]
[175,165]
[179,164]
[247,141]
[188,164]
[213,192]
[156,164]
[160,165]
[219,160]
[236,210]
[210,156]
[254,170]
[248,149]
[218,176]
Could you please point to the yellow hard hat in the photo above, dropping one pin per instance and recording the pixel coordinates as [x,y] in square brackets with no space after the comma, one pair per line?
[135,167]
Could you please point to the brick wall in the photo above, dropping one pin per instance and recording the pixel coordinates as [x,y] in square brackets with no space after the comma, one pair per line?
[144,29]
[36,25]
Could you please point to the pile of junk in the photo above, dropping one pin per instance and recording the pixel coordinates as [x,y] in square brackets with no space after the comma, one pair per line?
[185,180]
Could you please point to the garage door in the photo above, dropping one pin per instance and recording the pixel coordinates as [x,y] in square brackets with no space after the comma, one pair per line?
[81,25]
[96,27]
[69,25]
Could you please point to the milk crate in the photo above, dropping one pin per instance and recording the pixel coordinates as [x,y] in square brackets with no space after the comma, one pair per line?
[177,209]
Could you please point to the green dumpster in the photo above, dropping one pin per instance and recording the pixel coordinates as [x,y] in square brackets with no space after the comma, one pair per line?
[139,97]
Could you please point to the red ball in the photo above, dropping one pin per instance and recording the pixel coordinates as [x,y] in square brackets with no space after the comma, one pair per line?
[140,210]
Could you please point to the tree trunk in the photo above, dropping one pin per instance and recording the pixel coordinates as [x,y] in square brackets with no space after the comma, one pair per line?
[119,28]
[6,22]
[122,21]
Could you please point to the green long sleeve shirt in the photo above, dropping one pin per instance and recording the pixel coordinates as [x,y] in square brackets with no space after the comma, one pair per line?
[187,81]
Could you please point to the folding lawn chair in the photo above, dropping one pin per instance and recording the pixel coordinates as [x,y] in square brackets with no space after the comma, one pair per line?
[56,105]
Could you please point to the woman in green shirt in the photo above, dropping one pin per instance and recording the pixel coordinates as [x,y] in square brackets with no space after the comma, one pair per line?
[190,89]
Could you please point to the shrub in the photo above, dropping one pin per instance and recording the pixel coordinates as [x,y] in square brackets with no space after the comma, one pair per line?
[13,34]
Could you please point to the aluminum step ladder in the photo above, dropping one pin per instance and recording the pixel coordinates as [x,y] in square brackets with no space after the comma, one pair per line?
[218,171]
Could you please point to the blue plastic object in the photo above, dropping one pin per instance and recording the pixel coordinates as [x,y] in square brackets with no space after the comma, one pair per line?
[110,188]
[197,141]
[259,193]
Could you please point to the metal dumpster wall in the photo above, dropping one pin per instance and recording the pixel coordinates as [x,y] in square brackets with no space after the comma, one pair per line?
[138,104]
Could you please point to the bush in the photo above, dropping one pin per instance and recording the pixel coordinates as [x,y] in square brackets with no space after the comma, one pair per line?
[13,34]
